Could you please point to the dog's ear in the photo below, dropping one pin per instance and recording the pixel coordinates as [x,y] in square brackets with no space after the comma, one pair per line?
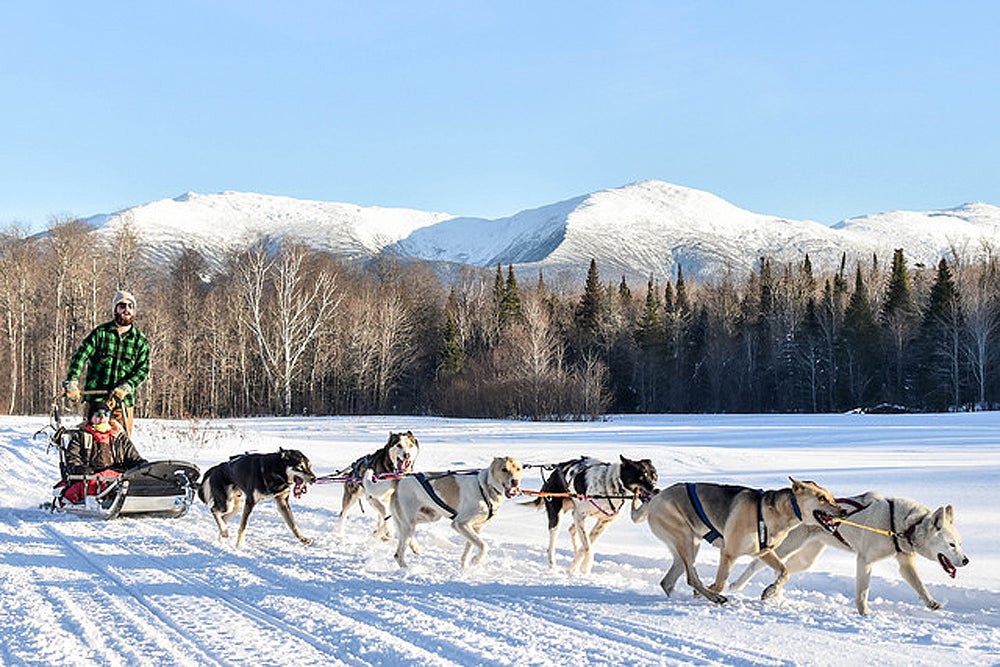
[941,515]
[622,457]
[949,514]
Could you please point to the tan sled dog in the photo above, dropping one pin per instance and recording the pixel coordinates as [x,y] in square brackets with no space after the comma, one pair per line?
[736,519]
[897,527]
[469,499]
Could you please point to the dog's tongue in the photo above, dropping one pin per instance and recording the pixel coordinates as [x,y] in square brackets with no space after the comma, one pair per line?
[300,487]
[948,567]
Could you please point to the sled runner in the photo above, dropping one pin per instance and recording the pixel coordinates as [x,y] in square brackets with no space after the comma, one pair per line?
[158,488]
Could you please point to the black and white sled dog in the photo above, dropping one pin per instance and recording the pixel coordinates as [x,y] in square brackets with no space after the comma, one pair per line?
[607,487]
[470,499]
[897,527]
[249,478]
[396,456]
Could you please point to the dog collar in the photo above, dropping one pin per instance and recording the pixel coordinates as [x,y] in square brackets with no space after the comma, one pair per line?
[795,507]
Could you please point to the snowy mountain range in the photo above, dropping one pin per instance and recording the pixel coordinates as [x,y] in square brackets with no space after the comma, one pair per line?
[639,230]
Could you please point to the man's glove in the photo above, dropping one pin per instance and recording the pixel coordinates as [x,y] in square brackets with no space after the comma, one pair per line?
[121,391]
[71,390]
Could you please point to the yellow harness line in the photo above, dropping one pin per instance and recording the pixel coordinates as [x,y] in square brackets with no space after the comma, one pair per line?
[887,533]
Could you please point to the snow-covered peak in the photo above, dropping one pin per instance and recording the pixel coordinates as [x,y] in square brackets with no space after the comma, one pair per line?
[647,228]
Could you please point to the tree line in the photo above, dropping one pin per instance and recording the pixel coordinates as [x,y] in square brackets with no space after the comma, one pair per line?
[283,329]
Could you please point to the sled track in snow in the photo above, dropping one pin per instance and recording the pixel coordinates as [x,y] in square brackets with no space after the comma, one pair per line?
[169,625]
[356,642]
[395,625]
[189,625]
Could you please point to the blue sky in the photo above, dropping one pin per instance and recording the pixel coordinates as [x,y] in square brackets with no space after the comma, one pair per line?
[807,110]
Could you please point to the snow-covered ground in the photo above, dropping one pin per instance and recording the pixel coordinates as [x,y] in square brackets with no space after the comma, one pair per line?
[82,591]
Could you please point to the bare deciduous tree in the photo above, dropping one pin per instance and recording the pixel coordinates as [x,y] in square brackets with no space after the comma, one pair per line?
[285,312]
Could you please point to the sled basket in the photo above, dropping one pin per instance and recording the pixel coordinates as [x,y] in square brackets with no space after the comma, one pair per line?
[160,488]
[157,489]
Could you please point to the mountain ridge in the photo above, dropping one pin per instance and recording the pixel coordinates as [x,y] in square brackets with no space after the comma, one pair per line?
[644,229]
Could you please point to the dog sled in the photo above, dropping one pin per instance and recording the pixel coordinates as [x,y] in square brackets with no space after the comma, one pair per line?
[156,489]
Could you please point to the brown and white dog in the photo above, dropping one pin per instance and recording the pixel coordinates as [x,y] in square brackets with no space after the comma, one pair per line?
[736,519]
[469,499]
[249,478]
[397,456]
[605,489]
[880,527]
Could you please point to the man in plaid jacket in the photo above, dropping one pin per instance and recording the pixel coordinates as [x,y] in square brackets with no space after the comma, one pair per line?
[117,358]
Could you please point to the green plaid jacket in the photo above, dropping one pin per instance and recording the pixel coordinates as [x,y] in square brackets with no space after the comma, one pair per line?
[111,360]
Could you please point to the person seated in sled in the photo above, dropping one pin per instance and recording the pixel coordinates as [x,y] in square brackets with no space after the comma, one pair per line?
[101,447]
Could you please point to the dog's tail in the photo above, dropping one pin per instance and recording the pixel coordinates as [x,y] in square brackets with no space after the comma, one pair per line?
[640,509]
[537,503]
[205,490]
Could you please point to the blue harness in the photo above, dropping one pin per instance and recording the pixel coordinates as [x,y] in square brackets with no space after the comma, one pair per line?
[422,478]
[713,533]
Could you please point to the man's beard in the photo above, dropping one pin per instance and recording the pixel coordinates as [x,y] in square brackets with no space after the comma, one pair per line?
[123,319]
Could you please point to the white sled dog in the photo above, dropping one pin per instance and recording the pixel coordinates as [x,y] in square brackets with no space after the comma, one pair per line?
[736,519]
[905,528]
[469,499]
[397,455]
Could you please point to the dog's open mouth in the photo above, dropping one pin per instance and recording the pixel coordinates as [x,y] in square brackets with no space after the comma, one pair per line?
[513,490]
[827,521]
[947,565]
[403,465]
[301,485]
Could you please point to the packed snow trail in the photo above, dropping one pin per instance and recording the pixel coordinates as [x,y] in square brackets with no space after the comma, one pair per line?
[132,591]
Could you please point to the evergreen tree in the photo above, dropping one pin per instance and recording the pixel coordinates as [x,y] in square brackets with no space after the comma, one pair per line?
[452,356]
[650,330]
[940,344]
[588,311]
[649,339]
[860,351]
[763,333]
[499,291]
[678,370]
[898,323]
[808,281]
[510,302]
[624,293]
[683,305]
[668,298]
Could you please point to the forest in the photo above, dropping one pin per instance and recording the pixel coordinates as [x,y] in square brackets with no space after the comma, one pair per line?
[284,329]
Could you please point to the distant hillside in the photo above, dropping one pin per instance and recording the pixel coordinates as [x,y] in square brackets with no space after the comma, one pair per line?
[638,230]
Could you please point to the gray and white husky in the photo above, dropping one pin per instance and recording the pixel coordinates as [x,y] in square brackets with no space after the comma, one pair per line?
[897,527]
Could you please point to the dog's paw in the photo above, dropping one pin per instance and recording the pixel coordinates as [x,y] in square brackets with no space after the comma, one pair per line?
[933,605]
[306,540]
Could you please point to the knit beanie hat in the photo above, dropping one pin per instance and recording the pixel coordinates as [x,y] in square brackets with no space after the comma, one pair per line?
[122,295]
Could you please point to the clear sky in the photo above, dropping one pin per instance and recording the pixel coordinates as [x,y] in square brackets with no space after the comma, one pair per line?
[809,110]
